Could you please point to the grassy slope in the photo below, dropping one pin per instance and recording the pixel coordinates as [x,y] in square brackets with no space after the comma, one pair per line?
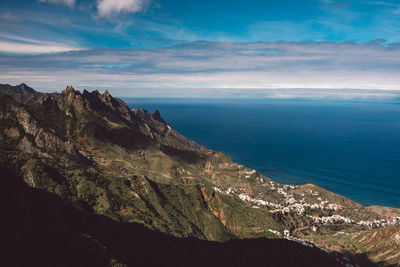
[44,230]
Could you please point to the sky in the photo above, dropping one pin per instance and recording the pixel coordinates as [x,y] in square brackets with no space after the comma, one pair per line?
[175,48]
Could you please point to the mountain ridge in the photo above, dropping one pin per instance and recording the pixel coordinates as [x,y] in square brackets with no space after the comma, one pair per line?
[133,167]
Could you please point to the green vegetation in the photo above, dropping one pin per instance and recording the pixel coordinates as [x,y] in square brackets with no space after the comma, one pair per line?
[95,154]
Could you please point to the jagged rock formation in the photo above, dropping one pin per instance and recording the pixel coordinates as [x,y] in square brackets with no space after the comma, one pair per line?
[93,152]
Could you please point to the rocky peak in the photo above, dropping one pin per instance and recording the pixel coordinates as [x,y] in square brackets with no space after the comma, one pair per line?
[94,94]
[74,98]
[69,89]
[157,116]
[106,97]
[25,87]
[115,110]
[114,103]
[106,94]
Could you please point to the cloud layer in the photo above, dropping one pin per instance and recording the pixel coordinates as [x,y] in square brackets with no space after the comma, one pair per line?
[21,45]
[212,69]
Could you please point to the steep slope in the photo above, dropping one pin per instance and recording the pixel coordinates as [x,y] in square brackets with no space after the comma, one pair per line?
[44,230]
[93,152]
[116,169]
[43,157]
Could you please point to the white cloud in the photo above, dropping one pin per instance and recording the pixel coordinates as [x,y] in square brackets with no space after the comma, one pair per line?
[69,3]
[21,45]
[108,8]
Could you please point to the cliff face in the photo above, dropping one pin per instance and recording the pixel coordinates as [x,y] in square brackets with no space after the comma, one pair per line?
[93,152]
[26,130]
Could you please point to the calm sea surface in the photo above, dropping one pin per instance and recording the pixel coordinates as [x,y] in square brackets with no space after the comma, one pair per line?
[351,148]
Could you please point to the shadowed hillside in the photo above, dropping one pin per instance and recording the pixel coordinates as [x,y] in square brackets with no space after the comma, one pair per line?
[44,230]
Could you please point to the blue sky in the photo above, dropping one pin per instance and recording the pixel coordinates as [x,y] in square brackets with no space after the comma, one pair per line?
[276,48]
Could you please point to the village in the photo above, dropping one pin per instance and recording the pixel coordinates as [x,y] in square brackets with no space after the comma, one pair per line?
[289,204]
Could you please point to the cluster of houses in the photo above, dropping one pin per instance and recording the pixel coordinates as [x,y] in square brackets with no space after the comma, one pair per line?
[300,206]
[380,223]
[281,187]
[292,204]
[247,198]
[339,218]
[330,219]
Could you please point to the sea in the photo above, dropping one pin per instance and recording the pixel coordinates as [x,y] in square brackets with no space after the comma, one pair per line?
[349,147]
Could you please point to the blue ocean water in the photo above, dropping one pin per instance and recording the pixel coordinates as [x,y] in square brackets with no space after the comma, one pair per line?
[351,148]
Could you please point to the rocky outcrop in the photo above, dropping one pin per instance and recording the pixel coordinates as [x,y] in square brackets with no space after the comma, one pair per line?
[153,125]
[33,138]
[108,108]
